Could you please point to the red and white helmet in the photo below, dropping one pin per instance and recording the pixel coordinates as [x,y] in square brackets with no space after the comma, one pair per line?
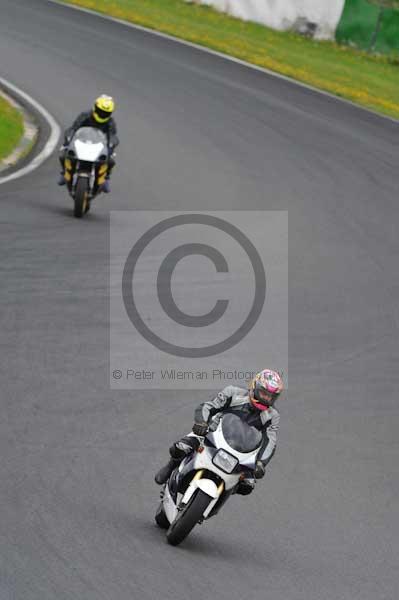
[265,388]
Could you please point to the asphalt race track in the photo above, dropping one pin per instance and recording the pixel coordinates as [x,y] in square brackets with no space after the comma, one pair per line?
[77,460]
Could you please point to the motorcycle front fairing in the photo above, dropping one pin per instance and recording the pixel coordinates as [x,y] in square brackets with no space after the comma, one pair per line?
[200,471]
[87,156]
[89,144]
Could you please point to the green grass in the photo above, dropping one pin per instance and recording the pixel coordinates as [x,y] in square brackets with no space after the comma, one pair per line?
[371,81]
[358,22]
[11,128]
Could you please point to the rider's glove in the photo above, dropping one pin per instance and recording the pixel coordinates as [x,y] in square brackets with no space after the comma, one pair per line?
[200,429]
[259,470]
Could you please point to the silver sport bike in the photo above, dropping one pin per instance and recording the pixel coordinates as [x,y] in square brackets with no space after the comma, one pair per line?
[86,166]
[202,483]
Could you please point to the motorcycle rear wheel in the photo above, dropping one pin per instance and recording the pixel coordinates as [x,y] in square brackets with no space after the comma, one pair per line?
[81,197]
[188,518]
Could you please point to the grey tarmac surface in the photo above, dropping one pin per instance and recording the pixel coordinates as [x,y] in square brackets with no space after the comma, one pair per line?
[77,496]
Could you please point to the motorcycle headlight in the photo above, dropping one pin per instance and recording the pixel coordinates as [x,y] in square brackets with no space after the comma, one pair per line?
[225,461]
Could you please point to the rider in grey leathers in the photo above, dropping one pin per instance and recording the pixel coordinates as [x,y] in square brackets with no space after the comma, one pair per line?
[255,406]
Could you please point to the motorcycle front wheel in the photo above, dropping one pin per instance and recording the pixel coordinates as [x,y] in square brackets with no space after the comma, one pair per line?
[81,197]
[188,518]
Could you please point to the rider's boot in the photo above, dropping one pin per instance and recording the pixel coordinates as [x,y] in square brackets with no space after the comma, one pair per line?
[245,487]
[106,187]
[163,474]
[61,179]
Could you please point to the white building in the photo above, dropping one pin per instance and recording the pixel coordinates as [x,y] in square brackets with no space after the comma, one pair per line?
[285,14]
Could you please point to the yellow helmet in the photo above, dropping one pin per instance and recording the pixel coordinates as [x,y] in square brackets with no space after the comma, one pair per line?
[104,106]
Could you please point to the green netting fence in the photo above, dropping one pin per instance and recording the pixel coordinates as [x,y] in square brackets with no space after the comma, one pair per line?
[358,24]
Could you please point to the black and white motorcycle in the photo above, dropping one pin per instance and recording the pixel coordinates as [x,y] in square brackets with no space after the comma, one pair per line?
[86,167]
[198,488]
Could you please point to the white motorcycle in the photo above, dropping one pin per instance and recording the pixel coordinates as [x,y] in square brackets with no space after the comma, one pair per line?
[86,167]
[204,480]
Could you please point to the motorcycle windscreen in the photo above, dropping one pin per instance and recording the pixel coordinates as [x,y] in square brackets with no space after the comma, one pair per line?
[90,144]
[239,435]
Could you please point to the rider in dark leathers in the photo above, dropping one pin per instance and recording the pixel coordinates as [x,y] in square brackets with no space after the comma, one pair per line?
[100,117]
[254,406]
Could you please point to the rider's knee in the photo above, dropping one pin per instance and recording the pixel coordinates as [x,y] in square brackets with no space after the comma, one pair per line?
[178,450]
[175,452]
[183,447]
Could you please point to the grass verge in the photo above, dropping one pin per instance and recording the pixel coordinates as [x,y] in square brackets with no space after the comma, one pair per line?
[11,128]
[371,81]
